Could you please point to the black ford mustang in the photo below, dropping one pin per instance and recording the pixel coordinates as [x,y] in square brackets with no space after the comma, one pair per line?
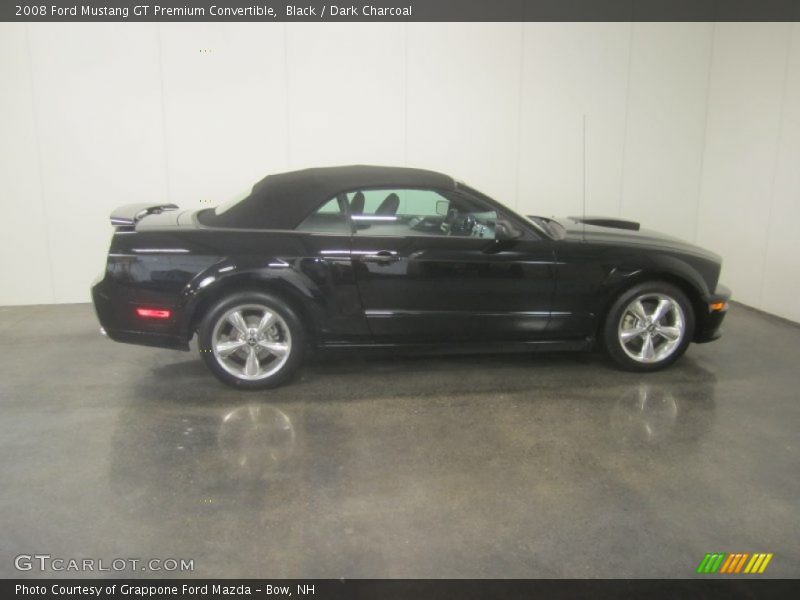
[392,257]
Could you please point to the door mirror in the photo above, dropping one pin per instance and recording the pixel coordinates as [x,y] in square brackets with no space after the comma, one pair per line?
[442,206]
[505,230]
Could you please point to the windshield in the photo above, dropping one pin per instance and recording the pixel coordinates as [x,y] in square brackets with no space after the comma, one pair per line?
[553,227]
[537,226]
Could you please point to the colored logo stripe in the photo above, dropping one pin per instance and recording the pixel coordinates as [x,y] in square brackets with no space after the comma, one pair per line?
[758,563]
[732,558]
[722,562]
[711,562]
[734,563]
[741,562]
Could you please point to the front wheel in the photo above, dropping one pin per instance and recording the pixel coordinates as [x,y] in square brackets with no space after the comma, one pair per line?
[648,327]
[251,340]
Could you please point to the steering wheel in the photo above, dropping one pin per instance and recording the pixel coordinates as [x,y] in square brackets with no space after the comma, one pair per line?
[449,221]
[463,225]
[468,225]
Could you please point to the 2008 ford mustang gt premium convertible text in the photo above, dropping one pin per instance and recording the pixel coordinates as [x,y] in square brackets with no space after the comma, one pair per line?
[380,256]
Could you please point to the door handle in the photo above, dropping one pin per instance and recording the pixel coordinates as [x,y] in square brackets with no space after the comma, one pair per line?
[381,257]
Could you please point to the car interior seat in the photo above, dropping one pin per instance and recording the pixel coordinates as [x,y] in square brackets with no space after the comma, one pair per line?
[389,205]
[357,204]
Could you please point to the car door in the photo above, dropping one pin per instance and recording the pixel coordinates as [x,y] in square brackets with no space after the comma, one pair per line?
[429,268]
[321,256]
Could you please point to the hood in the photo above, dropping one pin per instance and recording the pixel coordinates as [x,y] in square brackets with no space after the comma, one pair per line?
[623,232]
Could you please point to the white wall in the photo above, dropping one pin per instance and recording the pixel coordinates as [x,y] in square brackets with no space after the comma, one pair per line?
[693,129]
[665,130]
[780,284]
[462,112]
[572,70]
[747,195]
[23,229]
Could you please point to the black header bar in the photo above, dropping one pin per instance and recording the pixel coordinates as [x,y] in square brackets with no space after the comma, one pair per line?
[399,10]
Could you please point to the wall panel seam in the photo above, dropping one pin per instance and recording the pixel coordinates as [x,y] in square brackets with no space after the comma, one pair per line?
[287,92]
[520,101]
[704,142]
[164,131]
[40,166]
[625,123]
[776,160]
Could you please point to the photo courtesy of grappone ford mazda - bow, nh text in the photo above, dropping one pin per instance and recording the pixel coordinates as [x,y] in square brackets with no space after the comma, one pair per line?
[396,258]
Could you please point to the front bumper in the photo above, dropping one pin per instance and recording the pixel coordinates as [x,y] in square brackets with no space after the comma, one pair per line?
[708,324]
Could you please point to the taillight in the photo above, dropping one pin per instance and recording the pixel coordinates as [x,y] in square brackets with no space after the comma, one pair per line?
[154,313]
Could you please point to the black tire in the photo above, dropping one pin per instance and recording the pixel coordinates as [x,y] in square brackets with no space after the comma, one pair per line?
[633,357]
[285,331]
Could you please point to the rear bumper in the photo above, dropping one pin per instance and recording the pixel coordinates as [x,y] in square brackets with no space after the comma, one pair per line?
[707,327]
[115,307]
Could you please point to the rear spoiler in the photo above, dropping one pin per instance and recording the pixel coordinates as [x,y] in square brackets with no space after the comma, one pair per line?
[607,222]
[130,214]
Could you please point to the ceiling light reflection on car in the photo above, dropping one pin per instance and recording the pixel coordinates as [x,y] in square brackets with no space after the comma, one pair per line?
[160,250]
[366,252]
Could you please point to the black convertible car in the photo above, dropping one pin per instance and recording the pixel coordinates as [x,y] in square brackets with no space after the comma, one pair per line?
[364,256]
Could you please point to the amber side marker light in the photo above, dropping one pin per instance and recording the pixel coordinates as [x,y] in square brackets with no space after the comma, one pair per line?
[717,306]
[153,313]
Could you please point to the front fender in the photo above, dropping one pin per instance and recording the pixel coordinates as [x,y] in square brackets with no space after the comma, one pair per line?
[696,276]
[657,265]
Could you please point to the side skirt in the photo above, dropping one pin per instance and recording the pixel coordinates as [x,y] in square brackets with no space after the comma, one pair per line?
[432,348]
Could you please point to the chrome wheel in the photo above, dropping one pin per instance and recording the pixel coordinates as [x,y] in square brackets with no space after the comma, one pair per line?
[651,328]
[251,342]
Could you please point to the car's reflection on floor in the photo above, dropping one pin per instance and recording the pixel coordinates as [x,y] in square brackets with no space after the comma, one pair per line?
[214,445]
[360,465]
[254,439]
[652,414]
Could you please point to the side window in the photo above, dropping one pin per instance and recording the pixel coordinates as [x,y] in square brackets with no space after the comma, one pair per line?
[328,218]
[407,212]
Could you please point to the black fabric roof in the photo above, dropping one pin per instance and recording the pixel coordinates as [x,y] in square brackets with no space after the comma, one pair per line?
[283,200]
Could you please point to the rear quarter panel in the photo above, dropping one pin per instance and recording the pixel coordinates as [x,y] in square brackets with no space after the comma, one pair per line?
[186,271]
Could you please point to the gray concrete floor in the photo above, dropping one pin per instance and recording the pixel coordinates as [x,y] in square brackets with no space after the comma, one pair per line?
[494,466]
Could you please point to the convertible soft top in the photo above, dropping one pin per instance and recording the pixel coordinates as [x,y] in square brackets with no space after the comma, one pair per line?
[283,200]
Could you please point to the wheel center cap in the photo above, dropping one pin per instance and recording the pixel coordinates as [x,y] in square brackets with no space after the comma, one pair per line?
[252,337]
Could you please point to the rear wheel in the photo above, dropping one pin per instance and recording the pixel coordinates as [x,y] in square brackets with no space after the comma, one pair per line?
[251,340]
[648,327]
